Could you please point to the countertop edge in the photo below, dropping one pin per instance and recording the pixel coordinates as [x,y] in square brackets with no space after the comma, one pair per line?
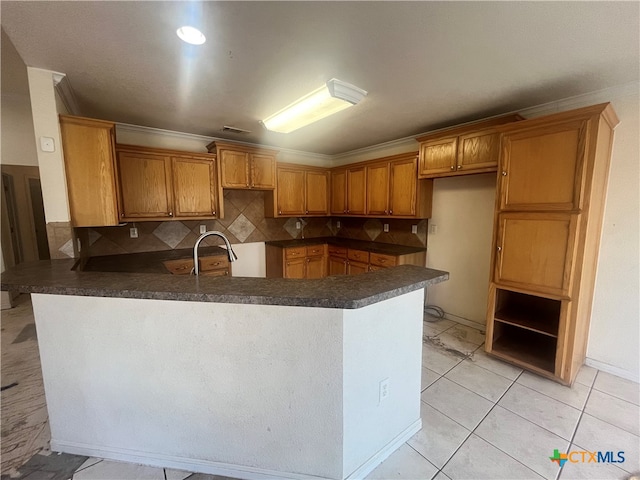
[344,292]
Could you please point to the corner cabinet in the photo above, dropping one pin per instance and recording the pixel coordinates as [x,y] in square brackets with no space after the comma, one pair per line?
[300,191]
[244,167]
[385,187]
[552,184]
[462,150]
[160,184]
[89,160]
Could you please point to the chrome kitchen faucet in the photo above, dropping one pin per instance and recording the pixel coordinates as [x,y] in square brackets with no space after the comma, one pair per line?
[232,255]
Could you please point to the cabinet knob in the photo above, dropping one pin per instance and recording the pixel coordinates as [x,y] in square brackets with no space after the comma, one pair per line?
[347,210]
[499,249]
[386,212]
[253,185]
[344,211]
[390,212]
[459,167]
[247,184]
[306,211]
[452,167]
[504,173]
[280,212]
[171,214]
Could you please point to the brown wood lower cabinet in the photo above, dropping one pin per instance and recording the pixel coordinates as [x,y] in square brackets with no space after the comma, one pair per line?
[213,265]
[323,260]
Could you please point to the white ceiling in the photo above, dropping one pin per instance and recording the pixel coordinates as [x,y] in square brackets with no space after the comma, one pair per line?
[424,64]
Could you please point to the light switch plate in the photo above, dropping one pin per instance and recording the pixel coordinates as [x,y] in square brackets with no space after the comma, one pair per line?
[203,229]
[133,232]
[338,224]
[414,228]
[47,144]
[385,227]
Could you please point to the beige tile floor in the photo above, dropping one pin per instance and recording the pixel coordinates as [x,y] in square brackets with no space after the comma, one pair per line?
[482,418]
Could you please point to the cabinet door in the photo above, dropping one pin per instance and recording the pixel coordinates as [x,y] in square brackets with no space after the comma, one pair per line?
[378,189]
[542,168]
[316,267]
[317,193]
[356,191]
[356,268]
[295,268]
[89,161]
[535,251]
[337,266]
[339,192]
[290,192]
[263,171]
[145,185]
[478,150]
[438,156]
[234,169]
[194,187]
[403,185]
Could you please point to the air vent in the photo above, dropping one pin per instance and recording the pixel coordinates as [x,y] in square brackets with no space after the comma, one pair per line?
[228,129]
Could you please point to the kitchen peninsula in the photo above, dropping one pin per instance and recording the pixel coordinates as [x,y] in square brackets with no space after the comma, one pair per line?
[245,377]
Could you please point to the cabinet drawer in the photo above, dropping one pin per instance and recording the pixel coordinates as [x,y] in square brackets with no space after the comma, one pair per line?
[295,252]
[382,260]
[358,255]
[222,272]
[217,262]
[179,267]
[337,251]
[315,250]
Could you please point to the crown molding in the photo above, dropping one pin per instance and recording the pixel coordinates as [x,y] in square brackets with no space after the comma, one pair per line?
[406,143]
[583,100]
[128,127]
[63,87]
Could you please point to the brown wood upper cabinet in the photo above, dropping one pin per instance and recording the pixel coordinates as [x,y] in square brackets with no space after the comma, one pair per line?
[163,184]
[383,187]
[471,148]
[301,191]
[244,167]
[89,160]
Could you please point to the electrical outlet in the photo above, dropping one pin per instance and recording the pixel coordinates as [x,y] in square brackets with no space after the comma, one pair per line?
[385,227]
[79,244]
[297,225]
[133,232]
[203,229]
[414,228]
[338,224]
[433,229]
[384,390]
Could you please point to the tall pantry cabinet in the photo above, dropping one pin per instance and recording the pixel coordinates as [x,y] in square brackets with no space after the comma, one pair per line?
[552,181]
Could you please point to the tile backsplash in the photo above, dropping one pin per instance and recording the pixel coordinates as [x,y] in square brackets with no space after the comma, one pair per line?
[244,222]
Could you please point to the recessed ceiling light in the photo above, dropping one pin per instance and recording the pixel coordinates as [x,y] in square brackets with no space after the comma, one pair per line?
[191,35]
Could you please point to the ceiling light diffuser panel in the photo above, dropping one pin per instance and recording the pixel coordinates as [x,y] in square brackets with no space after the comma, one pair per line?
[331,98]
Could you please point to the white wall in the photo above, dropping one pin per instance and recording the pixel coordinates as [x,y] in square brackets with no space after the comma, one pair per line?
[46,124]
[247,388]
[463,218]
[18,145]
[615,322]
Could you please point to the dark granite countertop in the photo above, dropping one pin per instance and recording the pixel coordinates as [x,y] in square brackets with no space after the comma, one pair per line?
[57,277]
[147,262]
[375,247]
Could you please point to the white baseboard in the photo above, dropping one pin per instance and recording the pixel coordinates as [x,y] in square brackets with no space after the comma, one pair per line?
[367,467]
[613,370]
[224,469]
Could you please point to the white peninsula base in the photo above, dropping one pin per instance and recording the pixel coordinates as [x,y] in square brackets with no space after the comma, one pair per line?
[248,391]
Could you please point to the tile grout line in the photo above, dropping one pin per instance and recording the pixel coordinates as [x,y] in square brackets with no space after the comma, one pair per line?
[494,446]
[575,430]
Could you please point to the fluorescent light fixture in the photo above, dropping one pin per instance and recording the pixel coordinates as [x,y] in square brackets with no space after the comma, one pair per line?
[331,98]
[191,35]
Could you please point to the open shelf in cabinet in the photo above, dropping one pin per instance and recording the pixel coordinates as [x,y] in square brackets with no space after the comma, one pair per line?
[538,314]
[524,346]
